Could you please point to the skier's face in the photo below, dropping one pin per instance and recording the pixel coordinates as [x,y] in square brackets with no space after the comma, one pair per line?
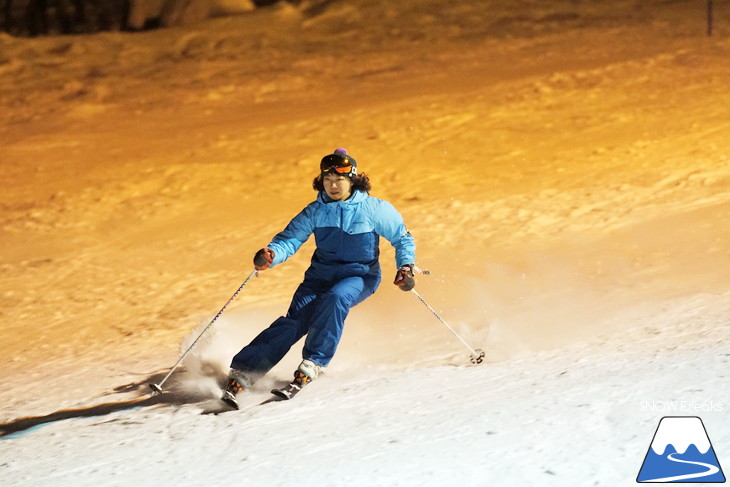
[337,187]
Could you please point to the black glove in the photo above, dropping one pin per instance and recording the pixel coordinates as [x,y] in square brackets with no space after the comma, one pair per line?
[263,259]
[404,278]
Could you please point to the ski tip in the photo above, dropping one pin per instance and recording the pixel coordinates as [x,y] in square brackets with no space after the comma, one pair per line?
[281,394]
[231,403]
[229,400]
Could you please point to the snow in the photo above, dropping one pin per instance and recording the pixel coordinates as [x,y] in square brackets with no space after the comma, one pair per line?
[562,165]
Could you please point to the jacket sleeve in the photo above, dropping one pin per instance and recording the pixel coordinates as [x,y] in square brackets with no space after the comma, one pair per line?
[288,241]
[388,223]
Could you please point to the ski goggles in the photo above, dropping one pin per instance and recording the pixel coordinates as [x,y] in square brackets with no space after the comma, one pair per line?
[338,164]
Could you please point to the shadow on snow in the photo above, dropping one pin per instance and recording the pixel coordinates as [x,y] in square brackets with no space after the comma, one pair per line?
[173,394]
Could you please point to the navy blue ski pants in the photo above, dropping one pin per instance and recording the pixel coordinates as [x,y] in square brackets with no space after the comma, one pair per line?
[318,310]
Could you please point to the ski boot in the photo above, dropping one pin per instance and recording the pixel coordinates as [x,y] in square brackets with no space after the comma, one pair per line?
[237,382]
[306,373]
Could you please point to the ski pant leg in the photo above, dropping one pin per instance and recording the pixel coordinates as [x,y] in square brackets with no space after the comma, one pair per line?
[328,318]
[272,344]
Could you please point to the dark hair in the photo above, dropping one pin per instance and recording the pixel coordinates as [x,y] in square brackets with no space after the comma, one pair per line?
[361,182]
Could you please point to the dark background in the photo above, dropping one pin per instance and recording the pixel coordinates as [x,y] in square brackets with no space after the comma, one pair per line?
[29,18]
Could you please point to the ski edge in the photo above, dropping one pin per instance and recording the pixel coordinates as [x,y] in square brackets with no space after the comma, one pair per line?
[287,392]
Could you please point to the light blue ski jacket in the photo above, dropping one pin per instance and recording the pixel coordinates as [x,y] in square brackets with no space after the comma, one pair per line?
[347,236]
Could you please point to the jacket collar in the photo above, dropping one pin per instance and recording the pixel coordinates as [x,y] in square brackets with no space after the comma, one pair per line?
[356,197]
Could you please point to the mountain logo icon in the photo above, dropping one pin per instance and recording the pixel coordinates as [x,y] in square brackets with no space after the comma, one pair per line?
[681,452]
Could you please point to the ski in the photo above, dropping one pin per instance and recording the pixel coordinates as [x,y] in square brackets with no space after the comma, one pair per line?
[230,399]
[287,392]
[229,402]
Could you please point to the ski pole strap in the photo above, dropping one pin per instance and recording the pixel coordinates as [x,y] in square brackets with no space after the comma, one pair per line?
[477,355]
[418,270]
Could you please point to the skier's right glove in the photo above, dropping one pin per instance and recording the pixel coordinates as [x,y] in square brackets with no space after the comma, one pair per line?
[404,278]
[263,259]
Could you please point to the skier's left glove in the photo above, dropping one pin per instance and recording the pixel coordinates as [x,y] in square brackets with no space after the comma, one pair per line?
[404,278]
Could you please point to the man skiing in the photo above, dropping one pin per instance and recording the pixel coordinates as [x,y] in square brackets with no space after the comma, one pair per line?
[347,223]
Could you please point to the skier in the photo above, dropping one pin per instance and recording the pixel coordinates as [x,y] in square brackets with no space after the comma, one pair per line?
[347,223]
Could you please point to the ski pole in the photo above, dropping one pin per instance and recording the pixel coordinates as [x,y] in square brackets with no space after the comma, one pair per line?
[477,355]
[157,388]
